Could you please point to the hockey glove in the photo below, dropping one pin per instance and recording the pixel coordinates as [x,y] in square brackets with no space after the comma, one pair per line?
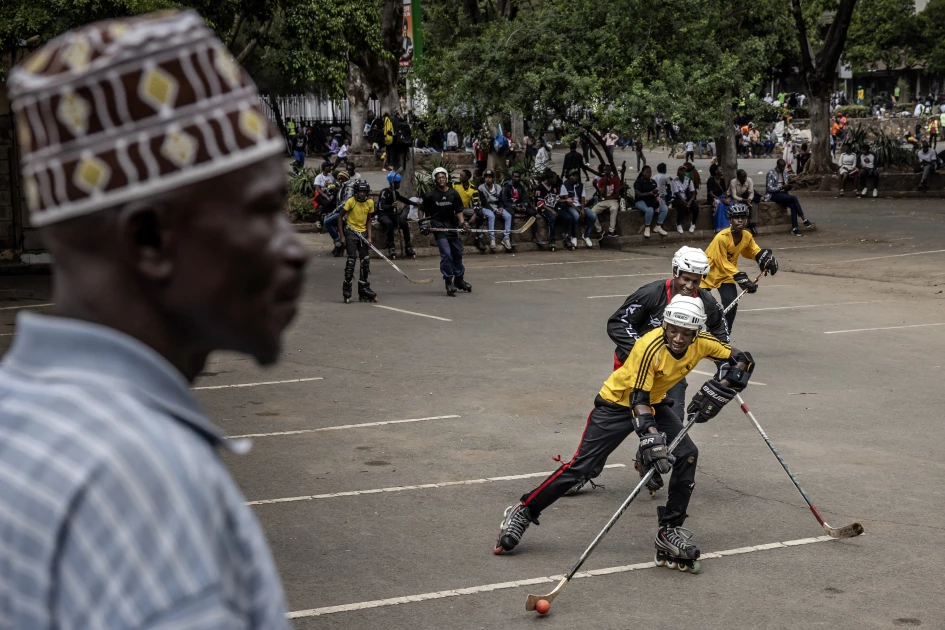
[736,377]
[766,261]
[425,226]
[653,453]
[742,279]
[464,228]
[709,400]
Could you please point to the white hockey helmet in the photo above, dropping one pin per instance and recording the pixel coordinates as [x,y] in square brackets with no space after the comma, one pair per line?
[685,312]
[690,260]
[438,170]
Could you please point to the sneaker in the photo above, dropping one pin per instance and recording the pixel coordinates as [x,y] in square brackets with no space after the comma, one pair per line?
[588,241]
[875,192]
[863,193]
[492,242]
[573,241]
[796,232]
[659,230]
[679,228]
[808,224]
[507,243]
[598,227]
[646,232]
[692,228]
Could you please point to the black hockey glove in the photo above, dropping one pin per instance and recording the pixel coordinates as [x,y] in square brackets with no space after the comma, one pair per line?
[766,261]
[742,279]
[464,228]
[425,226]
[653,453]
[736,377]
[709,400]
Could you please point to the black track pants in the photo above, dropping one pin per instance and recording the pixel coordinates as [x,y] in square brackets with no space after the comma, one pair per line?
[728,292]
[607,427]
[392,222]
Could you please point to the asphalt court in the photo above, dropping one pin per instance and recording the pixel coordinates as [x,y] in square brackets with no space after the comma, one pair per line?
[402,511]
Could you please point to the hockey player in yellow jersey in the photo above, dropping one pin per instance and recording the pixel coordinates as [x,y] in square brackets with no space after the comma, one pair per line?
[723,253]
[634,399]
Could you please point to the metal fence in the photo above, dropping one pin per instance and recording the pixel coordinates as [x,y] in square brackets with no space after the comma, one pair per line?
[314,108]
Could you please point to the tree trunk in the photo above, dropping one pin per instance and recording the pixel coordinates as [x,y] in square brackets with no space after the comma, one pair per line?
[358,93]
[726,152]
[518,128]
[820,161]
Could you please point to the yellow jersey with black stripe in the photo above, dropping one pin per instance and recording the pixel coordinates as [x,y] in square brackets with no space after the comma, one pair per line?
[465,193]
[652,368]
[723,255]
[357,213]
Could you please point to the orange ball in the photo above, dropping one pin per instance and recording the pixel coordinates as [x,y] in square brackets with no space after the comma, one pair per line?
[542,606]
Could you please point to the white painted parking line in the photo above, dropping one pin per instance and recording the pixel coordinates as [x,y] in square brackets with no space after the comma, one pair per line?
[391,308]
[550,579]
[339,427]
[777,249]
[626,275]
[837,332]
[425,486]
[13,308]
[292,380]
[545,264]
[786,308]
[844,262]
[753,382]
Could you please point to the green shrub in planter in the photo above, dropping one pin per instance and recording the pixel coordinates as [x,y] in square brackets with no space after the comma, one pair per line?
[299,208]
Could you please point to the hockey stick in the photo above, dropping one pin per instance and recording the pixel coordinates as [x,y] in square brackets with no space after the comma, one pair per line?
[391,263]
[528,224]
[534,599]
[848,531]
[739,296]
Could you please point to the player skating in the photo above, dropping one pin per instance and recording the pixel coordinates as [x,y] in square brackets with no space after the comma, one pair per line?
[633,399]
[643,310]
[356,213]
[443,208]
[389,216]
[723,253]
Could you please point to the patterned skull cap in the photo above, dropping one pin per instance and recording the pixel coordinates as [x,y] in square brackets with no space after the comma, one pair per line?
[125,109]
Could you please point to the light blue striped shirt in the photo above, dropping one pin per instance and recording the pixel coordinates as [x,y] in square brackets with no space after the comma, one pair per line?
[115,509]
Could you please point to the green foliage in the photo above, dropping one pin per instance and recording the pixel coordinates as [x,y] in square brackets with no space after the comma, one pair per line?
[299,208]
[423,177]
[933,37]
[301,181]
[884,30]
[890,153]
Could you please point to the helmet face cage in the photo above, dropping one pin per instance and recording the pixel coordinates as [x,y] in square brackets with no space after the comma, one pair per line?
[361,190]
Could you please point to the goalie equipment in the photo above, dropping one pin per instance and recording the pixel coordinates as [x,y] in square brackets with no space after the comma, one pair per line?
[690,260]
[686,312]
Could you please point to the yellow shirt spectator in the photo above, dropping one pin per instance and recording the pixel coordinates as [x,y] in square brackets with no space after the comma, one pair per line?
[723,256]
[466,194]
[356,213]
[652,368]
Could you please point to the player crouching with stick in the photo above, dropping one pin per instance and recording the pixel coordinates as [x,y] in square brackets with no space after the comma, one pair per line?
[633,400]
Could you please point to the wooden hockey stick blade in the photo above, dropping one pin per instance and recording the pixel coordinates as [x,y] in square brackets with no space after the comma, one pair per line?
[528,224]
[424,281]
[550,597]
[848,531]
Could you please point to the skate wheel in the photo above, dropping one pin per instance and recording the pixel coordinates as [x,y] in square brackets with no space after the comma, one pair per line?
[671,563]
[696,568]
[658,561]
[498,550]
[682,566]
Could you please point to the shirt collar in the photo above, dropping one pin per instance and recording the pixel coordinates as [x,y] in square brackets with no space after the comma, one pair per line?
[59,349]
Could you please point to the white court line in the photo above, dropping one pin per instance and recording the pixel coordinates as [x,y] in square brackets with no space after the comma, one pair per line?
[843,262]
[627,275]
[391,308]
[293,380]
[545,264]
[809,246]
[550,579]
[785,308]
[339,427]
[836,332]
[753,382]
[623,295]
[12,308]
[425,486]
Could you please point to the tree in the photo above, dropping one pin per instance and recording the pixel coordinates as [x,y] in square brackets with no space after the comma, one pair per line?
[884,30]
[933,37]
[818,73]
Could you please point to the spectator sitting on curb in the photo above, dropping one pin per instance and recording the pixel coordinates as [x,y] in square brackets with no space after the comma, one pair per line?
[928,162]
[662,180]
[684,200]
[847,165]
[608,189]
[646,191]
[777,188]
[572,193]
[718,198]
[867,171]
[489,194]
[742,189]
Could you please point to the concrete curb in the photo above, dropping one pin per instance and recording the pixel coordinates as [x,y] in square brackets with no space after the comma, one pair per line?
[883,194]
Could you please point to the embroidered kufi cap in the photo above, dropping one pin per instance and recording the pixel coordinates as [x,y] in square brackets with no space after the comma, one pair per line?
[128,108]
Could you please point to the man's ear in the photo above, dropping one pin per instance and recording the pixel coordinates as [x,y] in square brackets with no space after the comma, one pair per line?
[147,239]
